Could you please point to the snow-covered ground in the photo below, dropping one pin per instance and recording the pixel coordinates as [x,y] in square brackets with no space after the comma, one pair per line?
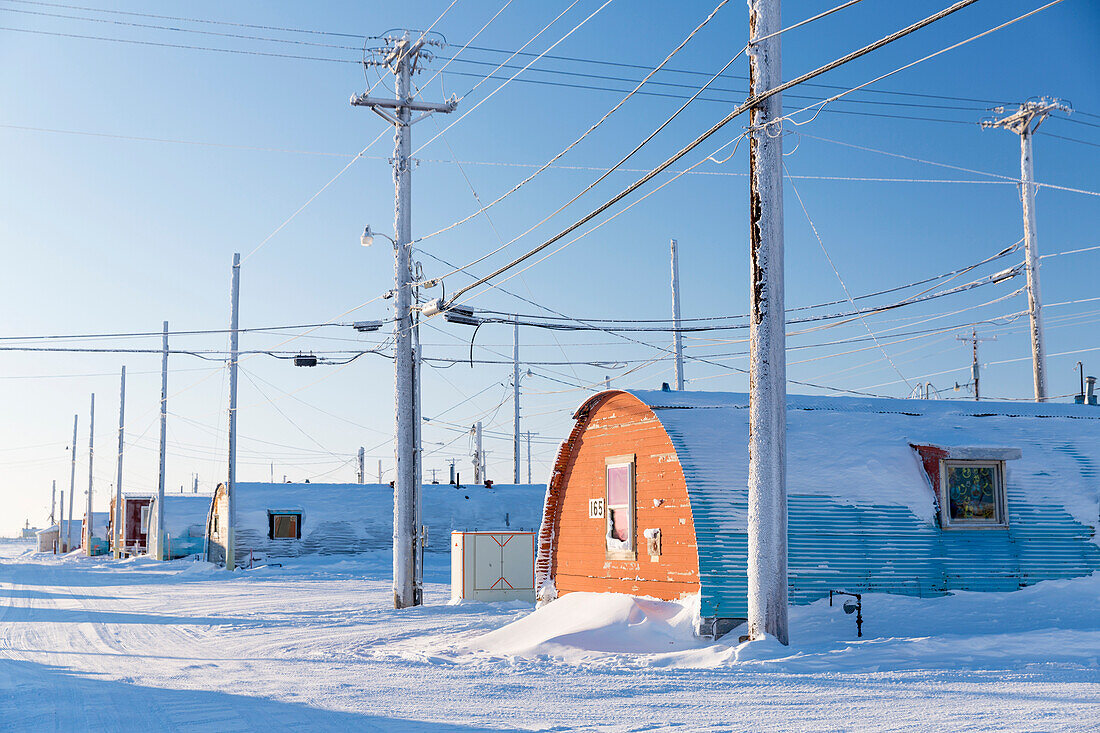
[91,644]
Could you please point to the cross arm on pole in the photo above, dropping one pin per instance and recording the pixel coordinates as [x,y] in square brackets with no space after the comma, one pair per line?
[364,100]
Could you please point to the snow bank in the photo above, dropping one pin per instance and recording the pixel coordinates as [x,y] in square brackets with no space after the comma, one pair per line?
[1053,624]
[581,626]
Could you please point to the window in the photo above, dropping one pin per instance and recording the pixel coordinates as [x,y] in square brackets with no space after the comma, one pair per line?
[285,526]
[145,520]
[973,493]
[215,522]
[619,508]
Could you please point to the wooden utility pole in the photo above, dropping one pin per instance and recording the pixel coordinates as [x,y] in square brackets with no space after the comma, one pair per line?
[88,524]
[677,337]
[975,365]
[515,400]
[116,520]
[72,495]
[767,510]
[1024,122]
[400,55]
[234,358]
[159,549]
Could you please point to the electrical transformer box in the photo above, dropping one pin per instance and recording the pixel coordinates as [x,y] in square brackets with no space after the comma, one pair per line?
[493,566]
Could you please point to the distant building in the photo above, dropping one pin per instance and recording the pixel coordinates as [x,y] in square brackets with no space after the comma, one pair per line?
[135,523]
[185,518]
[288,520]
[94,534]
[46,539]
[915,497]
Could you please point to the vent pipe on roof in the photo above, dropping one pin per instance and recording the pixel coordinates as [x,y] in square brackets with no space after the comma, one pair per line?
[1090,390]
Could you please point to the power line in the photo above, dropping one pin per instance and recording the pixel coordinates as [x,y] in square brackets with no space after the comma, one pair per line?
[160,44]
[150,26]
[924,281]
[159,334]
[715,128]
[191,20]
[489,96]
[463,47]
[587,132]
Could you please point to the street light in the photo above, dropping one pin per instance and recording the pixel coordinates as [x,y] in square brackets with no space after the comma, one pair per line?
[367,239]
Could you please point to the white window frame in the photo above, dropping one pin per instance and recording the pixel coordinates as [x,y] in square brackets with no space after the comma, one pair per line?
[1000,497]
[615,553]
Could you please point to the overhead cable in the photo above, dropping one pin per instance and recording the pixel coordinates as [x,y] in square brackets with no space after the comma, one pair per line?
[741,109]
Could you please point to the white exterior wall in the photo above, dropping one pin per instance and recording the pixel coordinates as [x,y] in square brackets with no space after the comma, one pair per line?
[352,518]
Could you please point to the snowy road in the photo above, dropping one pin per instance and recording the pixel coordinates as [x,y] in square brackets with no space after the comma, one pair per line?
[90,644]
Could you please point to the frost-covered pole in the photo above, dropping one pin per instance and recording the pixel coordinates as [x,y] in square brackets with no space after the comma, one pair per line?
[53,503]
[1024,121]
[362,465]
[159,549]
[234,357]
[419,535]
[515,400]
[116,521]
[406,484]
[677,337]
[61,544]
[1031,260]
[400,56]
[72,495]
[91,454]
[528,456]
[477,453]
[767,516]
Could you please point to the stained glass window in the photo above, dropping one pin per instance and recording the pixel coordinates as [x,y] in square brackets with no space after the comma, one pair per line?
[974,492]
[619,509]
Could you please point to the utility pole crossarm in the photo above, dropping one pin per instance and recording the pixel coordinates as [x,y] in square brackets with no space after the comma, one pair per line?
[363,100]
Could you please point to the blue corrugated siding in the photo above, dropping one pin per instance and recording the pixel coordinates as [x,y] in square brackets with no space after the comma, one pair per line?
[886,549]
[840,538]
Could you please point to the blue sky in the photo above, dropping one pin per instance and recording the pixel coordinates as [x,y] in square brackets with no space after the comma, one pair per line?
[106,234]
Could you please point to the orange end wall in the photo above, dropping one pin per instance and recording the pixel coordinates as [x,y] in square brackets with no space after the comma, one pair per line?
[619,425]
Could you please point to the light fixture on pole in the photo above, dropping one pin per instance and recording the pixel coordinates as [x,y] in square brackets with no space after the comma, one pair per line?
[367,238]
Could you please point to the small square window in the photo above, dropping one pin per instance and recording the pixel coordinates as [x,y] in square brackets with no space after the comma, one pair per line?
[285,526]
[619,509]
[973,493]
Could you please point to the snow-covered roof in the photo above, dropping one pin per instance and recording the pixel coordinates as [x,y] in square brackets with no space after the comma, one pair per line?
[857,450]
[182,512]
[100,521]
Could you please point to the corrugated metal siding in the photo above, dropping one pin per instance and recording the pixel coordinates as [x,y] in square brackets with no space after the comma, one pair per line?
[844,542]
[882,549]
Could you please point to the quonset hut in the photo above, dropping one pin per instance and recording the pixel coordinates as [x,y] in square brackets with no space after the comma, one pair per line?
[184,524]
[916,497]
[289,520]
